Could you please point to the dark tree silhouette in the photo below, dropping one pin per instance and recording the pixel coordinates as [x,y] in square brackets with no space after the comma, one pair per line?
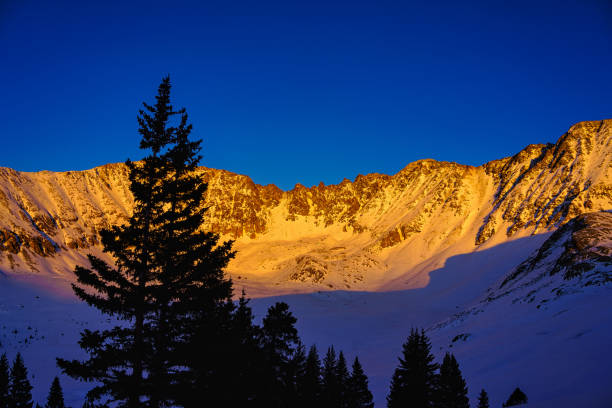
[5,381]
[414,380]
[280,342]
[359,393]
[244,367]
[311,386]
[342,381]
[296,375]
[56,395]
[517,397]
[167,284]
[452,389]
[20,388]
[329,387]
[483,399]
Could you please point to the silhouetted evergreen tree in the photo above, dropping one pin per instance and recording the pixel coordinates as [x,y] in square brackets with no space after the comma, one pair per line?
[296,374]
[280,337]
[56,395]
[414,380]
[245,360]
[517,397]
[329,387]
[5,381]
[194,321]
[483,399]
[167,283]
[452,389]
[280,341]
[20,388]
[311,387]
[342,381]
[359,393]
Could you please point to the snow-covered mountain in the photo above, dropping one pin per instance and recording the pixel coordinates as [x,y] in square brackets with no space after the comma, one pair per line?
[545,324]
[378,232]
[507,264]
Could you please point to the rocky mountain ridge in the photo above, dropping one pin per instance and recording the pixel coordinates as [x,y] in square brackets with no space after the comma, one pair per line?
[354,235]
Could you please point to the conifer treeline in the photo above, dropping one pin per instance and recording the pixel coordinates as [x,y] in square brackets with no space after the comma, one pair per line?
[420,382]
[417,382]
[16,390]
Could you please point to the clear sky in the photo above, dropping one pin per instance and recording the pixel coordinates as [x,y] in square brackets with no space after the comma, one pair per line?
[304,92]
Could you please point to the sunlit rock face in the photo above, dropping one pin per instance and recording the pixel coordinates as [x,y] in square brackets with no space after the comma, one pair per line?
[577,254]
[377,232]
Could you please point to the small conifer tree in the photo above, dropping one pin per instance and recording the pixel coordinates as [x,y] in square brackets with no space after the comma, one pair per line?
[311,387]
[296,374]
[342,381]
[56,395]
[517,397]
[5,381]
[280,342]
[359,393]
[483,399]
[20,387]
[329,386]
[452,390]
[414,380]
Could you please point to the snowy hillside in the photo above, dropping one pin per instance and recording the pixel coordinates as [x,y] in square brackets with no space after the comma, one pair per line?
[546,324]
[528,333]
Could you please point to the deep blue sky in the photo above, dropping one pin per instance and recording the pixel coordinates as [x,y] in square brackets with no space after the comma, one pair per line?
[301,92]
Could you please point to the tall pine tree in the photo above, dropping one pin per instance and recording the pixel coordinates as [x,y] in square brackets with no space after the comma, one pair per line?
[194,325]
[20,388]
[5,381]
[483,399]
[167,284]
[56,395]
[452,389]
[414,380]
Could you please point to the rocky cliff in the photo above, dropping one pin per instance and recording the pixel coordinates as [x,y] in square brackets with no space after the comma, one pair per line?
[353,235]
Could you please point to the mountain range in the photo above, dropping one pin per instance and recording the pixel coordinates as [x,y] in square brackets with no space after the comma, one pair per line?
[503,264]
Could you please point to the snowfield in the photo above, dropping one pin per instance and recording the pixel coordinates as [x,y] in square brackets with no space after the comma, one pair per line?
[557,353]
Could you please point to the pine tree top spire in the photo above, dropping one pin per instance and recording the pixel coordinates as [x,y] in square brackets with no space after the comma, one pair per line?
[56,395]
[21,389]
[414,380]
[483,399]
